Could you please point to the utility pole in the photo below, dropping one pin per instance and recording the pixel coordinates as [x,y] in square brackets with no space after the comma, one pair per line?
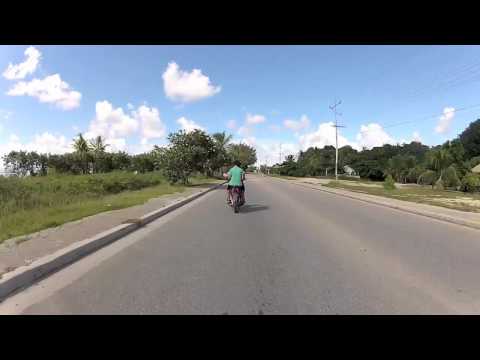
[336,126]
[280,160]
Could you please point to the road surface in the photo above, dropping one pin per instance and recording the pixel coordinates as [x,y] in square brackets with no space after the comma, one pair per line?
[291,250]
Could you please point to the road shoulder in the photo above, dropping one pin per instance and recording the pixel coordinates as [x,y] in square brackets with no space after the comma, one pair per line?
[469,219]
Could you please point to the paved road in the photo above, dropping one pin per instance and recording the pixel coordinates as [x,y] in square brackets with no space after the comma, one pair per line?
[291,250]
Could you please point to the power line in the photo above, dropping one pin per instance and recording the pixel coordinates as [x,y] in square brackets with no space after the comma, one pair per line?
[432,116]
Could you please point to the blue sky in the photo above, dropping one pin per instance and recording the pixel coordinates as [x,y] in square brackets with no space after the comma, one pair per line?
[134,98]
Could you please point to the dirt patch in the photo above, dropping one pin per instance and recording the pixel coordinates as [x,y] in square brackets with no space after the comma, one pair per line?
[460,200]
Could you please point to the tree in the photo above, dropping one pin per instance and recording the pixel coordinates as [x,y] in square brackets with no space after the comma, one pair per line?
[97,147]
[186,153]
[450,178]
[471,183]
[221,157]
[440,159]
[26,163]
[247,155]
[18,162]
[414,174]
[470,139]
[82,148]
[143,162]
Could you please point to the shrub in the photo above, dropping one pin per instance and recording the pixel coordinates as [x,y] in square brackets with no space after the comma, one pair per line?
[427,178]
[18,194]
[471,183]
[414,174]
[450,178]
[389,183]
[439,185]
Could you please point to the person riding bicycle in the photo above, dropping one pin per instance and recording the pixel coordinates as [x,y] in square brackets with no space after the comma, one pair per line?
[236,176]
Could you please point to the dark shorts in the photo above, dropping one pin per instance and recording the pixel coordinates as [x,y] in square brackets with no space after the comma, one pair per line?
[229,187]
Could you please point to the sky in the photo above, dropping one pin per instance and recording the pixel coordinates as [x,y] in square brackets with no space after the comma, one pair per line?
[275,98]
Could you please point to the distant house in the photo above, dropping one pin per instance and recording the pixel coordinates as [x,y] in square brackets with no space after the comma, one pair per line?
[349,171]
[476,169]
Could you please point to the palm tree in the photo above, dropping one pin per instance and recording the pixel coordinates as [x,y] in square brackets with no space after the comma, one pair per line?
[98,148]
[82,147]
[440,160]
[221,140]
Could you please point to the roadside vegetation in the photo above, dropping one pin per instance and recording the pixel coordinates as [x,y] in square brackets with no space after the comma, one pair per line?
[419,194]
[447,166]
[50,190]
[36,203]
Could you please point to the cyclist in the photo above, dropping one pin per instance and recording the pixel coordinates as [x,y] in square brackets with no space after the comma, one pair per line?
[236,177]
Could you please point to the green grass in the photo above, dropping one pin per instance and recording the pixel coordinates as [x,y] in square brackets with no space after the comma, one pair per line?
[33,204]
[423,195]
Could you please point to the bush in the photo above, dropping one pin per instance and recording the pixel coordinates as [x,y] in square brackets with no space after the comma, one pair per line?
[414,174]
[471,183]
[450,178]
[18,194]
[427,178]
[439,185]
[389,183]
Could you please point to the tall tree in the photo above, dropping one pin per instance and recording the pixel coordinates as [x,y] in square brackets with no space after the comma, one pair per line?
[470,139]
[98,147]
[186,153]
[247,155]
[220,159]
[440,160]
[82,147]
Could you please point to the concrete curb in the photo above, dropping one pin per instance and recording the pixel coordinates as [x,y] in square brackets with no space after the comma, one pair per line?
[25,276]
[446,218]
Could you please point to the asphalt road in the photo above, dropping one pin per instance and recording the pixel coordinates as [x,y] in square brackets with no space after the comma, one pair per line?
[291,250]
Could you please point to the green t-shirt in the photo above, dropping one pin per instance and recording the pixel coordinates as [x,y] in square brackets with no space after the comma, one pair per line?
[236,174]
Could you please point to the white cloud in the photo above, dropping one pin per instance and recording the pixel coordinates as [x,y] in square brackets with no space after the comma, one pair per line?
[373,135]
[445,120]
[245,131]
[297,125]
[113,125]
[188,125]
[187,86]
[49,143]
[271,152]
[323,136]
[130,106]
[51,89]
[116,144]
[20,71]
[254,119]
[232,124]
[416,137]
[152,125]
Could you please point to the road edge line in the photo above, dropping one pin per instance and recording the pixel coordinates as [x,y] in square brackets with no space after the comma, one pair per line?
[27,275]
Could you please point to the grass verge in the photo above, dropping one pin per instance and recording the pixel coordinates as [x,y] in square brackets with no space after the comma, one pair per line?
[423,195]
[39,215]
